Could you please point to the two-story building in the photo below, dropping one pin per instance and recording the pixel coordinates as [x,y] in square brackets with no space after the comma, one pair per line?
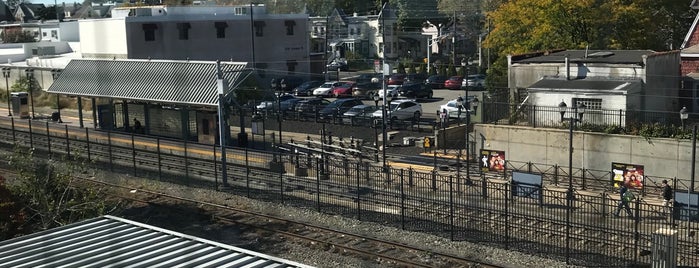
[276,44]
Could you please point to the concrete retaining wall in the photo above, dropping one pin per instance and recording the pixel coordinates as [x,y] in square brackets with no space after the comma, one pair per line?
[662,157]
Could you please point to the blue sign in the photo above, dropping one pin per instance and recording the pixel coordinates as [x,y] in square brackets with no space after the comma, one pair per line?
[527,185]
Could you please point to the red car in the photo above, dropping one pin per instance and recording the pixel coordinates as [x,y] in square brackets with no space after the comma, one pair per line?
[344,90]
[396,79]
[454,82]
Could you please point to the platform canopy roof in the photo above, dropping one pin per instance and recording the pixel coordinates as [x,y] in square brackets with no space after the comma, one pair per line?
[157,81]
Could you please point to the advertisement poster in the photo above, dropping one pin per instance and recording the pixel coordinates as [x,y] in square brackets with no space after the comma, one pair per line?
[492,160]
[630,174]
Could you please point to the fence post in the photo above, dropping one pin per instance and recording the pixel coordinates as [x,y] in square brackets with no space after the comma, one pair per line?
[620,118]
[410,176]
[359,194]
[215,168]
[507,194]
[529,167]
[484,186]
[160,159]
[67,142]
[434,180]
[366,171]
[186,162]
[247,171]
[534,115]
[133,154]
[636,231]
[402,202]
[14,138]
[584,179]
[451,207]
[48,138]
[31,135]
[87,139]
[318,183]
[555,174]
[109,147]
[281,177]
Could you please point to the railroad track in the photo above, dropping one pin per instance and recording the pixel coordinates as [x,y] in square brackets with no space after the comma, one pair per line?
[385,252]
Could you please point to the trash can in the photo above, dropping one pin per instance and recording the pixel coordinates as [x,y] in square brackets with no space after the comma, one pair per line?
[55,116]
[20,104]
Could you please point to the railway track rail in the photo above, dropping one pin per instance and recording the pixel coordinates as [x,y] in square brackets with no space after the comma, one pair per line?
[384,252]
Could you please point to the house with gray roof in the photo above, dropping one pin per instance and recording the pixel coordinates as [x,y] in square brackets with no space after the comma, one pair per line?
[28,12]
[642,80]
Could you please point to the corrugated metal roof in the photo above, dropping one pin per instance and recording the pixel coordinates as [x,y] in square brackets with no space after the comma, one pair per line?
[180,82]
[110,241]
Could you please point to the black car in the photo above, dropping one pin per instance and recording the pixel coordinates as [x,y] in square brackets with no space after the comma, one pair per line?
[337,108]
[414,78]
[308,107]
[415,90]
[306,89]
[436,81]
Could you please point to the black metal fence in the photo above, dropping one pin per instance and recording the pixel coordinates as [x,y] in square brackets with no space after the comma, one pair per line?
[549,116]
[485,208]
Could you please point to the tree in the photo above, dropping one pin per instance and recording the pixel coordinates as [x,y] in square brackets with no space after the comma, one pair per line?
[11,215]
[17,36]
[48,13]
[47,191]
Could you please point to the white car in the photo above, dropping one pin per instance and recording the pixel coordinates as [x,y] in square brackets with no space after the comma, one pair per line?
[401,110]
[476,81]
[392,91]
[452,108]
[326,89]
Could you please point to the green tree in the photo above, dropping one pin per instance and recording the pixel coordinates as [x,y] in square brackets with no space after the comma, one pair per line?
[411,68]
[451,70]
[400,68]
[11,216]
[23,83]
[48,193]
[47,13]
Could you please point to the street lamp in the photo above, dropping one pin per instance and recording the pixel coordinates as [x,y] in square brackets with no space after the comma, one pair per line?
[578,111]
[470,106]
[6,74]
[55,73]
[684,114]
[384,114]
[30,77]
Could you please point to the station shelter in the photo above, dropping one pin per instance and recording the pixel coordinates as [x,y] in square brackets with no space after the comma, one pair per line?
[168,98]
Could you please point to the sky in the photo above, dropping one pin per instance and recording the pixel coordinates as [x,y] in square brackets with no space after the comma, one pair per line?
[51,2]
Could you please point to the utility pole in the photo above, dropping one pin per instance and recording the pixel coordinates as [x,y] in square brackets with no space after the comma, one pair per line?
[453,39]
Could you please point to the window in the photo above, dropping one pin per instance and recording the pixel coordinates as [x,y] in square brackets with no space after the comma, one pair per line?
[590,104]
[45,34]
[220,29]
[291,66]
[183,29]
[149,31]
[54,34]
[351,31]
[259,28]
[289,27]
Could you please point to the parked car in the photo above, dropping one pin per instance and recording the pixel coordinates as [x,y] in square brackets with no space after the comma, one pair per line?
[337,65]
[326,89]
[359,114]
[363,78]
[453,106]
[365,90]
[337,108]
[308,107]
[414,78]
[396,79]
[453,82]
[475,81]
[289,105]
[306,89]
[436,81]
[415,90]
[401,110]
[391,91]
[344,89]
[267,106]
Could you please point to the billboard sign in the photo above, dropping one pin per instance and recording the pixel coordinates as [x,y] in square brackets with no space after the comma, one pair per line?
[492,160]
[630,174]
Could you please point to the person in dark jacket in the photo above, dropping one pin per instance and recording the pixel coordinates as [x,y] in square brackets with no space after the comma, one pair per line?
[667,197]
[625,198]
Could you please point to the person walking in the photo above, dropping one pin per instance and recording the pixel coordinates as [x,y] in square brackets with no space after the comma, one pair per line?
[137,126]
[667,197]
[626,196]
